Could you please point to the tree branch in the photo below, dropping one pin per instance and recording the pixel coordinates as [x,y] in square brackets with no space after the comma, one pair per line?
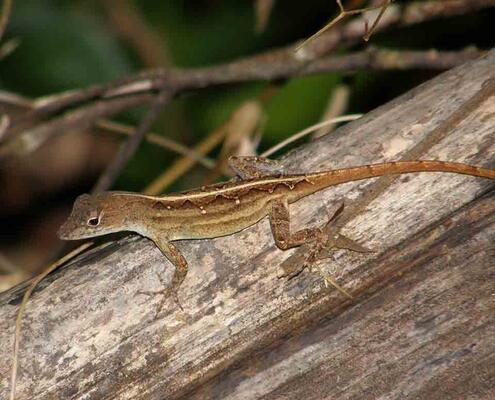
[129,147]
[398,14]
[272,66]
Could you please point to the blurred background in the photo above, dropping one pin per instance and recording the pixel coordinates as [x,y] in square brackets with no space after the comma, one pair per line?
[52,46]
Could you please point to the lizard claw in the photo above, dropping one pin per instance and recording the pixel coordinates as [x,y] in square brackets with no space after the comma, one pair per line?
[343,242]
[166,295]
[300,260]
[325,241]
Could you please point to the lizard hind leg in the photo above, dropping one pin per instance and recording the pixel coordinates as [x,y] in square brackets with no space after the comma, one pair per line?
[332,240]
[280,224]
[315,243]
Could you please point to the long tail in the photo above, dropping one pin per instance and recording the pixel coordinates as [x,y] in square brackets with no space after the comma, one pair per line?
[321,180]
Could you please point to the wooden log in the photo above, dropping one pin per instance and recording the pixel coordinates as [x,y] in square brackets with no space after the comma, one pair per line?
[421,323]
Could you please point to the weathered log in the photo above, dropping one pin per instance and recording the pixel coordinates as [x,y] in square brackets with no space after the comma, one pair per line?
[421,324]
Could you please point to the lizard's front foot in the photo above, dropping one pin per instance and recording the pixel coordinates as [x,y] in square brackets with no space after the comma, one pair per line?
[166,294]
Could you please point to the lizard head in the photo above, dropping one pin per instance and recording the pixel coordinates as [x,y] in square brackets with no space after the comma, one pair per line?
[92,215]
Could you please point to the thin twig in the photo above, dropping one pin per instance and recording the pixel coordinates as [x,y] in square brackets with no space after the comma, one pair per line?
[8,47]
[369,32]
[240,128]
[182,165]
[4,124]
[307,131]
[288,66]
[78,119]
[22,307]
[53,104]
[261,67]
[13,100]
[159,140]
[127,149]
[5,17]
[336,107]
[263,9]
[8,266]
[342,14]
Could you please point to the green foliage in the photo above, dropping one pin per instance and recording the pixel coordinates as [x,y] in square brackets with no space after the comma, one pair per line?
[298,104]
[61,48]
[202,33]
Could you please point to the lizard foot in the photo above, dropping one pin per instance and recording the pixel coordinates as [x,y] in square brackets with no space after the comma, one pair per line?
[307,256]
[166,294]
[321,247]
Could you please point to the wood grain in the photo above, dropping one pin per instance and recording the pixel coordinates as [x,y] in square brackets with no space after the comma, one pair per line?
[421,325]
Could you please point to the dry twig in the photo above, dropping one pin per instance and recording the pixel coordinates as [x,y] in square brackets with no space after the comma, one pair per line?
[343,13]
[11,100]
[307,131]
[4,18]
[336,106]
[8,47]
[159,140]
[130,146]
[238,141]
[179,167]
[79,119]
[137,89]
[263,9]
[370,31]
[400,14]
[127,22]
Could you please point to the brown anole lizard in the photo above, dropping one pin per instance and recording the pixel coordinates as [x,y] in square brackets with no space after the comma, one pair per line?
[223,209]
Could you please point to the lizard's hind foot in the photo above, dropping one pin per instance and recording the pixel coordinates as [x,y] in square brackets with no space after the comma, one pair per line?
[323,244]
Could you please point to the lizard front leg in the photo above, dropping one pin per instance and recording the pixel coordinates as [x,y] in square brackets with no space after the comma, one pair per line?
[180,264]
[174,255]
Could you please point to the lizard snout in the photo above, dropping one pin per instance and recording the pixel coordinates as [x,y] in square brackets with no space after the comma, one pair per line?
[62,232]
[69,230]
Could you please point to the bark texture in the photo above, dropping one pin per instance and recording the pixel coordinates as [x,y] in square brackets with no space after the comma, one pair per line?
[421,324]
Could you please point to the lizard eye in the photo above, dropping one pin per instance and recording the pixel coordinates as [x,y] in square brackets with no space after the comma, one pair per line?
[94,221]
